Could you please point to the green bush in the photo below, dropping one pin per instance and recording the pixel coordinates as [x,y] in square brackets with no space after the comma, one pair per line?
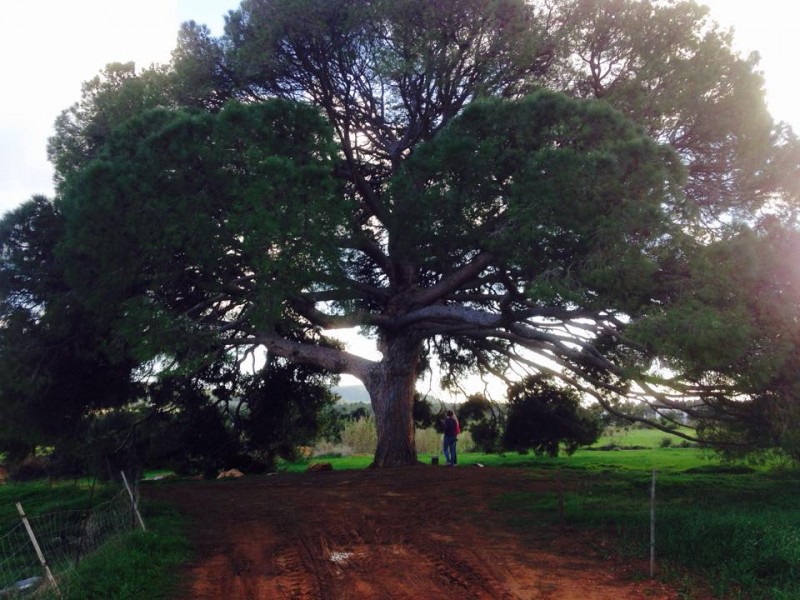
[546,418]
[486,435]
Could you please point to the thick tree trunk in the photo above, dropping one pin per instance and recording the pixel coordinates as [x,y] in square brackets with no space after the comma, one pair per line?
[391,389]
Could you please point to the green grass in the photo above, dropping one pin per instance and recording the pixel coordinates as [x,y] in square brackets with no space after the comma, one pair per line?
[735,528]
[738,534]
[135,566]
[339,463]
[674,459]
[39,497]
[648,438]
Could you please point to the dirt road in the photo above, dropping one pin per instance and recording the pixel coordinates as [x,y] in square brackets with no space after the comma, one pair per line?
[414,533]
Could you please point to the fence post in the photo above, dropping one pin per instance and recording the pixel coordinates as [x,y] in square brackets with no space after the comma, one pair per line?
[36,547]
[653,526]
[133,501]
[85,523]
[560,485]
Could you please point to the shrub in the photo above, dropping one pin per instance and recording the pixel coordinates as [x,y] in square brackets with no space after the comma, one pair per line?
[429,441]
[542,417]
[423,412]
[486,436]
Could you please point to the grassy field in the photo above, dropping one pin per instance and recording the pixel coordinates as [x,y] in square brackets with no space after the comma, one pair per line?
[732,528]
[672,457]
[132,566]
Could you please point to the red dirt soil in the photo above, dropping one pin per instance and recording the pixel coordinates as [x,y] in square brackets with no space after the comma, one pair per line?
[411,533]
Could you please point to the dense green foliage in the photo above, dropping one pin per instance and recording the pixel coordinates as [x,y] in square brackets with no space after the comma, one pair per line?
[57,362]
[590,189]
[484,421]
[543,418]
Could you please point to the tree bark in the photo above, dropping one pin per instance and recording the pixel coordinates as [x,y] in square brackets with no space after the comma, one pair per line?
[391,385]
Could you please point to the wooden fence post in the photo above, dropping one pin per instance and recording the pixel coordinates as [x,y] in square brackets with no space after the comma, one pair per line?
[653,526]
[39,553]
[560,482]
[133,501]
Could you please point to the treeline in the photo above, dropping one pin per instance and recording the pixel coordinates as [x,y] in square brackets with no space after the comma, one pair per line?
[284,413]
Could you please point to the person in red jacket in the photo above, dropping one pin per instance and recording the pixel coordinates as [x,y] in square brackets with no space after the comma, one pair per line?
[451,431]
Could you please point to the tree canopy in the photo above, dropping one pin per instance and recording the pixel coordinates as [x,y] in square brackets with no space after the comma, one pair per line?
[56,361]
[559,187]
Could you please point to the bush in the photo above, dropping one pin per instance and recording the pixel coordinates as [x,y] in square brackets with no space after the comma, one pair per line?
[542,417]
[486,436]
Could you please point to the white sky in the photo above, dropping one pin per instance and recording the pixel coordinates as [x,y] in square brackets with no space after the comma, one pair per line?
[49,47]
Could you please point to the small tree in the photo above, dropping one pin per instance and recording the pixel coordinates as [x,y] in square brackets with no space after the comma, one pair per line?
[543,416]
[285,406]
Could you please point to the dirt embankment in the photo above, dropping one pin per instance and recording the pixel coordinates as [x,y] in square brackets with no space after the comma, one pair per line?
[414,533]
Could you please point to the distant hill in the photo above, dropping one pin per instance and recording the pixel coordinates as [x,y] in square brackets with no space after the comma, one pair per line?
[357,394]
[352,394]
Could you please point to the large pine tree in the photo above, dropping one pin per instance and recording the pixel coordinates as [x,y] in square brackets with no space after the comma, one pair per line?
[490,182]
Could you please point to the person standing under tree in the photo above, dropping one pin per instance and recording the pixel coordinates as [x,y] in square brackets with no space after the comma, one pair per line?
[451,431]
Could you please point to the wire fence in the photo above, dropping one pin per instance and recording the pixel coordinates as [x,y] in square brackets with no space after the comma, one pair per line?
[42,549]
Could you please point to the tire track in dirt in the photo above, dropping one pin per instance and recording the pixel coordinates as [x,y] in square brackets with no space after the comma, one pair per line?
[295,578]
[402,534]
